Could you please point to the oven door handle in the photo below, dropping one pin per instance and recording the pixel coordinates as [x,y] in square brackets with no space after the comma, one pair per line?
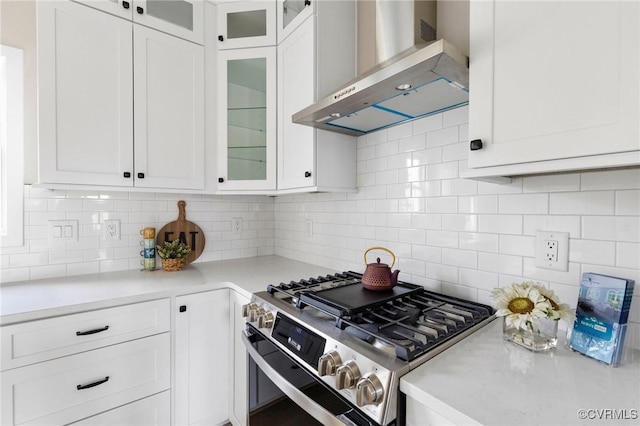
[310,406]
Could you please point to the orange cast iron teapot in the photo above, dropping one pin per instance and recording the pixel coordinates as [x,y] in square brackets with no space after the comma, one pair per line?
[378,276]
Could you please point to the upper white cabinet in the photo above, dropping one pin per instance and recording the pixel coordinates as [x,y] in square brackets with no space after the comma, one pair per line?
[246,24]
[181,18]
[247,119]
[315,58]
[202,358]
[88,62]
[555,97]
[291,13]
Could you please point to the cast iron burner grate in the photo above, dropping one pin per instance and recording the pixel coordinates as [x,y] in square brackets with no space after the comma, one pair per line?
[407,320]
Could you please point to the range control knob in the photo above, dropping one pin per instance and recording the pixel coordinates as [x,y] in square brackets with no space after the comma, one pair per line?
[369,390]
[254,314]
[347,375]
[247,308]
[265,320]
[328,363]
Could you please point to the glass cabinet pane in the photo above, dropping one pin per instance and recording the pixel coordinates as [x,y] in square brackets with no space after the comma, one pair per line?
[246,119]
[291,9]
[251,23]
[177,12]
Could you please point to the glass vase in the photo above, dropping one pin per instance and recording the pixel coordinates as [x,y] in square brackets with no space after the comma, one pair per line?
[543,339]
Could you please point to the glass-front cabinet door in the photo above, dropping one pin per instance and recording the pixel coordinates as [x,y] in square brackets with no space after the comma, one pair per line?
[246,24]
[181,18]
[247,119]
[291,13]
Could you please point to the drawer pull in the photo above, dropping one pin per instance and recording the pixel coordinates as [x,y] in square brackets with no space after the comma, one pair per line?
[97,330]
[90,385]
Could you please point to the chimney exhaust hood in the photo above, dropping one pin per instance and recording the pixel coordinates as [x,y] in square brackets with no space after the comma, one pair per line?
[423,79]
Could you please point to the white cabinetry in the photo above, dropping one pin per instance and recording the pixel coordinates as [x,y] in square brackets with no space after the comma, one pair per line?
[202,358]
[181,18]
[315,58]
[238,361]
[87,61]
[113,357]
[290,14]
[562,98]
[246,24]
[247,119]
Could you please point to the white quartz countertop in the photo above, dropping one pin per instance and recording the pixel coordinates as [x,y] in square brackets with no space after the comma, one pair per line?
[486,380]
[36,299]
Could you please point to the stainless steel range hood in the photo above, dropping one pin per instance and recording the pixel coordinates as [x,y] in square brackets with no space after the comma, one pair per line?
[420,80]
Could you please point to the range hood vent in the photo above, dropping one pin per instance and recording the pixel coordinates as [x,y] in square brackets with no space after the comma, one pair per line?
[421,80]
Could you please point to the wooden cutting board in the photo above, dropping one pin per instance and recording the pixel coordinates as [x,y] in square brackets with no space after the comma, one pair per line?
[188,233]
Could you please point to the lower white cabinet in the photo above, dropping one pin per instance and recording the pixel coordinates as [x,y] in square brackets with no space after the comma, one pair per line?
[71,388]
[201,388]
[151,411]
[238,360]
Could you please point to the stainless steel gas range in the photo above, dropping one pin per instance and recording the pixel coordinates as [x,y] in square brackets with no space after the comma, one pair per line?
[338,350]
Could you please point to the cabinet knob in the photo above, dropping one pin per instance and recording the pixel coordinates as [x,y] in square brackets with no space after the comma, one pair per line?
[183,308]
[127,174]
[221,37]
[475,144]
[140,175]
[307,2]
[220,180]
[139,10]
[125,4]
[307,174]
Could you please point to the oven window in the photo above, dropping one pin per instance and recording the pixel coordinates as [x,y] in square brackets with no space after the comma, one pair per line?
[268,406]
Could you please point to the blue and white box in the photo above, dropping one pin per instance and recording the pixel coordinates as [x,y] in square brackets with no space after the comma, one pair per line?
[601,317]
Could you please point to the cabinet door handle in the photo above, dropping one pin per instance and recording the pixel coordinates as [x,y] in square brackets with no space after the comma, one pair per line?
[139,10]
[307,2]
[183,308]
[140,175]
[127,174]
[94,331]
[220,180]
[125,4]
[221,37]
[475,144]
[90,385]
[307,174]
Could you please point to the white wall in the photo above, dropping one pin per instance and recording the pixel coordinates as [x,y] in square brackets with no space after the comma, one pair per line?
[460,236]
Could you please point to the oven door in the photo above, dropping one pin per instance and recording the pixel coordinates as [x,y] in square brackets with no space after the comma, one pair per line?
[280,386]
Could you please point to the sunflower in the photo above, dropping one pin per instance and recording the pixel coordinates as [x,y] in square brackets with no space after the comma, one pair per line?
[522,305]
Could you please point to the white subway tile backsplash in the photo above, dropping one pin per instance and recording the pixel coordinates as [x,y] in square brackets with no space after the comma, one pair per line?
[583,203]
[412,143]
[441,205]
[628,255]
[426,221]
[412,236]
[426,156]
[442,238]
[459,187]
[446,136]
[610,180]
[28,260]
[518,245]
[479,242]
[500,224]
[427,124]
[523,204]
[478,279]
[592,251]
[455,116]
[400,131]
[572,276]
[461,258]
[551,183]
[49,271]
[441,272]
[627,203]
[487,204]
[460,222]
[611,228]
[399,161]
[442,171]
[412,174]
[570,224]
[500,263]
[455,152]
[427,253]
[425,189]
[386,149]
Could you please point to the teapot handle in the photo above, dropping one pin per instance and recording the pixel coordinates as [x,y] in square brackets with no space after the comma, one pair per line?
[380,248]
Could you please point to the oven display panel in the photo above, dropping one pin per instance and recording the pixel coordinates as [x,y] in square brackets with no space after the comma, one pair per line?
[299,340]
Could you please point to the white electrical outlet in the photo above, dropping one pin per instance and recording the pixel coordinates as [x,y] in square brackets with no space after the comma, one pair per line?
[552,250]
[236,225]
[308,227]
[111,229]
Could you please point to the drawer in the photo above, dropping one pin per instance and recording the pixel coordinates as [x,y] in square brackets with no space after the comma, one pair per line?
[75,387]
[35,341]
[151,411]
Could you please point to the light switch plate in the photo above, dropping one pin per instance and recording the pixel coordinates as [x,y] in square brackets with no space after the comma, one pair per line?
[63,230]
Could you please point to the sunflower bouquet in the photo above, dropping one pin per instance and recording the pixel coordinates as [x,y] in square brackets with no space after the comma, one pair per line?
[525,304]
